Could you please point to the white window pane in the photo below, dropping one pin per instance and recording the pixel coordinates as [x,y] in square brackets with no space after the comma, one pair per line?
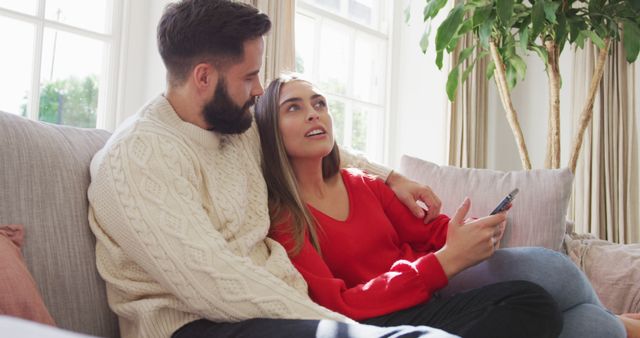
[362,11]
[331,5]
[337,110]
[93,15]
[333,72]
[15,65]
[369,69]
[366,131]
[305,44]
[24,6]
[359,129]
[71,69]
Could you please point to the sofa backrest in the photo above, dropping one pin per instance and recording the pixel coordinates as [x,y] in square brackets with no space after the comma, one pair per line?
[44,176]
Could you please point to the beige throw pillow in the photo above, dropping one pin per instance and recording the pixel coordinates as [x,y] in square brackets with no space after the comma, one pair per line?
[538,215]
[19,295]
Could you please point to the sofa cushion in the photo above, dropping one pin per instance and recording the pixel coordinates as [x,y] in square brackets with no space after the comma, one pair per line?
[538,215]
[613,270]
[44,181]
[19,295]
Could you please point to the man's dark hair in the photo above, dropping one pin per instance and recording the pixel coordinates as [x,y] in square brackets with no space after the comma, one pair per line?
[193,31]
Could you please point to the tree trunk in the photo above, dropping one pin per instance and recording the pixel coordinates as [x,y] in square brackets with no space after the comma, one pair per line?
[505,97]
[552,158]
[587,111]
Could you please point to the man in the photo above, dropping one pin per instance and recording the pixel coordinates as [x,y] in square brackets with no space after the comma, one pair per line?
[178,203]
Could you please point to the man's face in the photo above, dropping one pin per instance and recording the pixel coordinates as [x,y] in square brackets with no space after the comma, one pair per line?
[224,115]
[228,111]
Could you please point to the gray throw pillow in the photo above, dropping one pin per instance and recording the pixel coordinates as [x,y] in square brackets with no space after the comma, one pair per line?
[538,215]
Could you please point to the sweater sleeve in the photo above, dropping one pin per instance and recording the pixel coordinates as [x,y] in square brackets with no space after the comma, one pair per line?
[422,237]
[406,284]
[350,159]
[147,205]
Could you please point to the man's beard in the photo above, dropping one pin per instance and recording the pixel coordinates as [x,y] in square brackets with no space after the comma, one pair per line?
[225,116]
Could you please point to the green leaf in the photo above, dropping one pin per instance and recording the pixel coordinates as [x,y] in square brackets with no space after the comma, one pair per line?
[576,25]
[574,31]
[524,38]
[472,4]
[432,8]
[595,38]
[485,33]
[580,39]
[466,27]
[631,40]
[561,32]
[407,13]
[452,83]
[614,31]
[550,11]
[481,15]
[465,54]
[439,55]
[491,67]
[519,65]
[449,27]
[595,6]
[512,78]
[505,11]
[542,53]
[467,72]
[453,43]
[537,18]
[424,40]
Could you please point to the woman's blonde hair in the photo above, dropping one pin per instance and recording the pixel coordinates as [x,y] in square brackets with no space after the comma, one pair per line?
[285,203]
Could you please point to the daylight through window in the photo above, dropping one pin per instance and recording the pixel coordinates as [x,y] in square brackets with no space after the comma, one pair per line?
[62,63]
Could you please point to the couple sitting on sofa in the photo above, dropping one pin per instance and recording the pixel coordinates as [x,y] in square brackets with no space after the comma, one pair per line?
[181,213]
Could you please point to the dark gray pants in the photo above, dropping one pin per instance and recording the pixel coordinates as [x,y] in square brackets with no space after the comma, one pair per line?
[510,309]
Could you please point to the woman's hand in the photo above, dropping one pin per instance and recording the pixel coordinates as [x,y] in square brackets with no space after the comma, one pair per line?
[470,242]
[408,192]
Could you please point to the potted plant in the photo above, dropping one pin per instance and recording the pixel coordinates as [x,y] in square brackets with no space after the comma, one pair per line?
[506,29]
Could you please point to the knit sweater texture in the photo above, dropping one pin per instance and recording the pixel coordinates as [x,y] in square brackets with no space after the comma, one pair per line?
[180,216]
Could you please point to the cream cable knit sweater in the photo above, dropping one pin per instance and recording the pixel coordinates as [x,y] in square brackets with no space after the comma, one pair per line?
[180,216]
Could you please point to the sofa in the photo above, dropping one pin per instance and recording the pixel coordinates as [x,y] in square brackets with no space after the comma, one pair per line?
[45,175]
[44,179]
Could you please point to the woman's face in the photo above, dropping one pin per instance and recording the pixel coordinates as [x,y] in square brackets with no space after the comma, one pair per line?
[305,123]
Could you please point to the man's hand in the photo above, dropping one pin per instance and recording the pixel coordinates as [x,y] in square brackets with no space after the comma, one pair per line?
[409,192]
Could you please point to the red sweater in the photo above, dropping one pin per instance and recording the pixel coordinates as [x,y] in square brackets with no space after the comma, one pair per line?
[379,260]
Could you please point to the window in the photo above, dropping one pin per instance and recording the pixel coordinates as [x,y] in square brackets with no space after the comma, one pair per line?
[62,59]
[342,46]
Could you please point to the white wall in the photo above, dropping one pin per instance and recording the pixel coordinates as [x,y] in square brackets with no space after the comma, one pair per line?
[531,101]
[143,74]
[417,103]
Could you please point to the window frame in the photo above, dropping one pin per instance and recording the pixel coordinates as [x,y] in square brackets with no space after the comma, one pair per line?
[376,148]
[111,71]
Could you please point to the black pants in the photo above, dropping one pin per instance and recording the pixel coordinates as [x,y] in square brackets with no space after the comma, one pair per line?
[507,309]
[515,309]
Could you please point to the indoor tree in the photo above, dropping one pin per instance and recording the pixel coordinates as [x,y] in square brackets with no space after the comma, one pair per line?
[506,29]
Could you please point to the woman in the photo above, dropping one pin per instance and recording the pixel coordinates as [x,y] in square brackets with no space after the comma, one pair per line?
[375,262]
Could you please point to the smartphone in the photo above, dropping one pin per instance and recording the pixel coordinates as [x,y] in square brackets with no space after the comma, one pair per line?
[505,202]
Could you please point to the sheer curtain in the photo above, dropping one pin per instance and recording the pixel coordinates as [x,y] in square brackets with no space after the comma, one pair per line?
[605,200]
[279,51]
[467,141]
